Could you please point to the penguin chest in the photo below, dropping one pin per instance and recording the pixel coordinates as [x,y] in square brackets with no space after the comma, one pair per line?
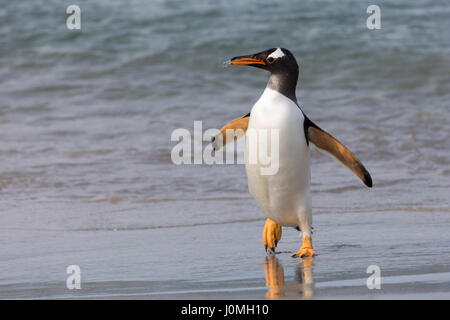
[277,158]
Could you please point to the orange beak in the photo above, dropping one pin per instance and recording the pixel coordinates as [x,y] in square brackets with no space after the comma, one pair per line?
[244,61]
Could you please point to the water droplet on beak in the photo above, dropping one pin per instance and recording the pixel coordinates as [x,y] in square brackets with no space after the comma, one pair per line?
[226,63]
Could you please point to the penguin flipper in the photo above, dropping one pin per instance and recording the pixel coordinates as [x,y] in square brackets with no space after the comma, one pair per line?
[329,144]
[238,126]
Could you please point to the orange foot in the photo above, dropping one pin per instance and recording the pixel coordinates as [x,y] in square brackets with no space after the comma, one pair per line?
[306,250]
[271,234]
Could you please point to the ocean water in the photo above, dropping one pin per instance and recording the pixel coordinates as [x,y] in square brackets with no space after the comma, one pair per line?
[86,119]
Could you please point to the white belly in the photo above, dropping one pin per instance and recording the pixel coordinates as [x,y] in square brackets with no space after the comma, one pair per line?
[282,195]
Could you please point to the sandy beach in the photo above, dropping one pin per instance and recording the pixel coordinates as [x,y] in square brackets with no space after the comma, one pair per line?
[227,260]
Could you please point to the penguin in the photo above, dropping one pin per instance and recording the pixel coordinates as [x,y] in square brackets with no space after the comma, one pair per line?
[284,196]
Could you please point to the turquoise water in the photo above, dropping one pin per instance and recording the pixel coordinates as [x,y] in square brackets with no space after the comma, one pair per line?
[86,116]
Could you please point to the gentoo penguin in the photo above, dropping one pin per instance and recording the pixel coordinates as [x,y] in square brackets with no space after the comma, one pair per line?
[284,196]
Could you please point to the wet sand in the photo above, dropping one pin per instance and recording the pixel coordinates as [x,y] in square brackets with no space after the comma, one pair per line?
[227,260]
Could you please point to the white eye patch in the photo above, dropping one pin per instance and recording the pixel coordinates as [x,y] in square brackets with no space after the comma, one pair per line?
[277,54]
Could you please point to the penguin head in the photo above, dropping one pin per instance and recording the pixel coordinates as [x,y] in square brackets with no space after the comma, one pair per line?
[275,60]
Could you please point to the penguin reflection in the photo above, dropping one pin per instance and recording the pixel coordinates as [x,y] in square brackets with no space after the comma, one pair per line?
[304,282]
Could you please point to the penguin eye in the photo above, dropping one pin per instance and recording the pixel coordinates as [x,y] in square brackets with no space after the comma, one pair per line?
[270,59]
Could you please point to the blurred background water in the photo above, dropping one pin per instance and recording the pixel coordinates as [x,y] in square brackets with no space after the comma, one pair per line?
[86,116]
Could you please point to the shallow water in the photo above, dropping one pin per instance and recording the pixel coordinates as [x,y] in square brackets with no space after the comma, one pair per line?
[86,119]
